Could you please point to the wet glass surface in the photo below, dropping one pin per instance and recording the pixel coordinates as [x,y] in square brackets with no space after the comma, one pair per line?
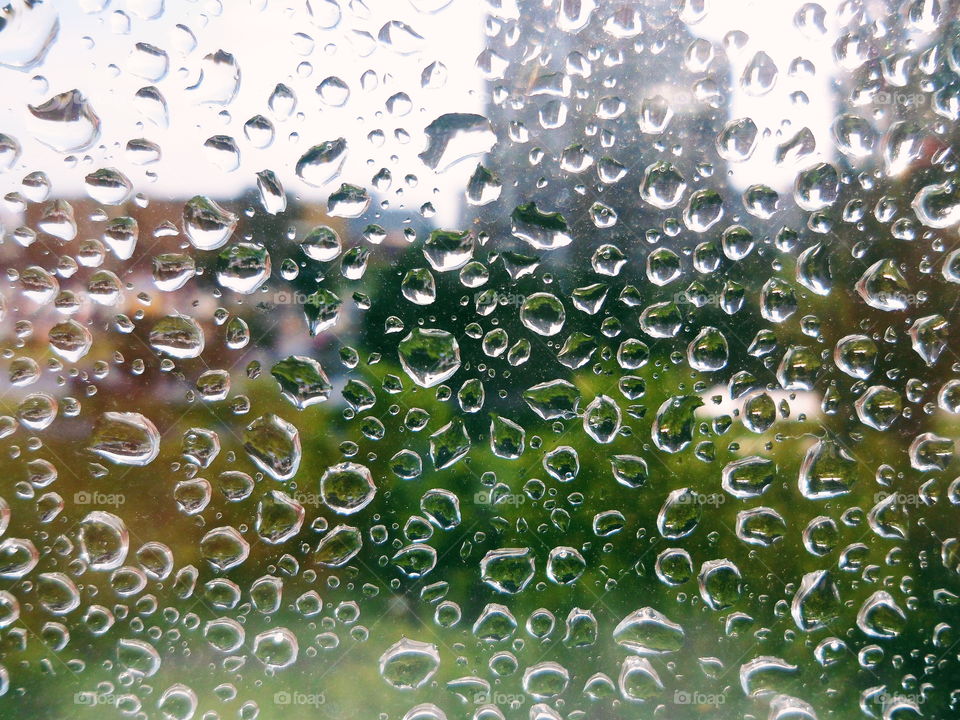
[455,359]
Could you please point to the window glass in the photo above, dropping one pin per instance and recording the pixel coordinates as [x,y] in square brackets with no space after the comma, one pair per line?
[439,359]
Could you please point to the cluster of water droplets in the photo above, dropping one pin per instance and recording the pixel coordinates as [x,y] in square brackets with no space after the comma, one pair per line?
[592,426]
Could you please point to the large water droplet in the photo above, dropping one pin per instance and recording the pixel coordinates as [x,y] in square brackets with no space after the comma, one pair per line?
[429,356]
[66,122]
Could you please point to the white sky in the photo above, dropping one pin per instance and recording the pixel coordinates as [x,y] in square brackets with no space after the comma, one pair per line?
[92,54]
[769,27]
[93,50]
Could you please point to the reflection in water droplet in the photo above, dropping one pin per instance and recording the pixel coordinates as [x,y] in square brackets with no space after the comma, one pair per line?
[454,137]
[274,446]
[66,122]
[322,163]
[219,78]
[429,356]
[125,438]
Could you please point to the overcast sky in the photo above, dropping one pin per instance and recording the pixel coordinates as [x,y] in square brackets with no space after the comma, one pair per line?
[274,41]
[300,44]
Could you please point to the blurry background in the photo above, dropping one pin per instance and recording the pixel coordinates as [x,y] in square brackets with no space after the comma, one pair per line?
[812,130]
